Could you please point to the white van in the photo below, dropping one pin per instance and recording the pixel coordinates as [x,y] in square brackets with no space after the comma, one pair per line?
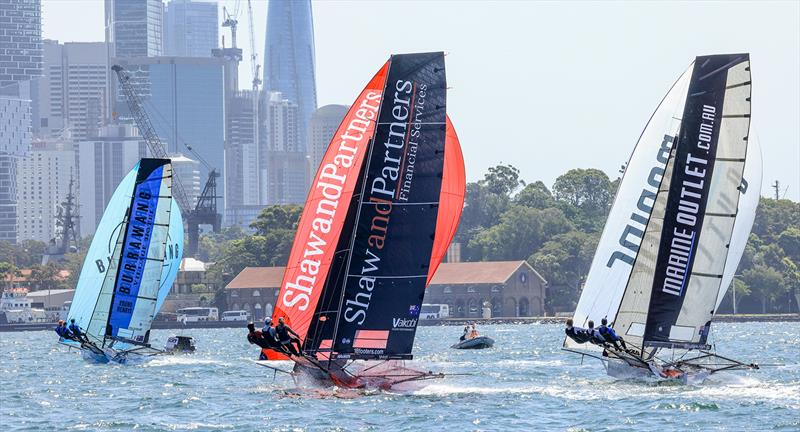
[194,314]
[236,315]
[434,311]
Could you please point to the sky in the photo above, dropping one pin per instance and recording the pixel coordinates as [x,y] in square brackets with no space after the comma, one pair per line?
[544,86]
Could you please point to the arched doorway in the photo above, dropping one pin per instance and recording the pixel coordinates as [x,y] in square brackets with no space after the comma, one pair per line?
[268,310]
[510,307]
[473,307]
[459,310]
[259,315]
[497,307]
[524,307]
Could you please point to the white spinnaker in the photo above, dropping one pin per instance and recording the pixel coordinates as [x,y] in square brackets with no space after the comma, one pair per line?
[621,238]
[748,202]
[722,207]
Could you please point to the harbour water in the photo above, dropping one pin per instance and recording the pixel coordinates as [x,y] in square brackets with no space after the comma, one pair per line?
[524,383]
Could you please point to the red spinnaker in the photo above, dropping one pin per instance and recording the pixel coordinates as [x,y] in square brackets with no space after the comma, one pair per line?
[451,202]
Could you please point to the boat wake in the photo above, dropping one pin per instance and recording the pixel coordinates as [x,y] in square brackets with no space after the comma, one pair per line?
[170,360]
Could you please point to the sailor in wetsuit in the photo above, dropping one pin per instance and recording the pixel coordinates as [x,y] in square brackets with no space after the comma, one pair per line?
[596,337]
[287,336]
[610,335]
[75,330]
[271,335]
[577,334]
[62,330]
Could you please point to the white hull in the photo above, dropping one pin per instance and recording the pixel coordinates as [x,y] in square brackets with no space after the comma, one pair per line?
[622,370]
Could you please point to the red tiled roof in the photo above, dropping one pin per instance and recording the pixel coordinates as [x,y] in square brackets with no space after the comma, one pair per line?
[257,277]
[25,274]
[489,272]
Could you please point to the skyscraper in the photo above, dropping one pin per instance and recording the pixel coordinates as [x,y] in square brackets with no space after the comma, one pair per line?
[15,139]
[188,170]
[284,163]
[104,161]
[321,128]
[134,28]
[42,185]
[71,94]
[242,162]
[289,69]
[21,32]
[289,61]
[191,28]
[20,61]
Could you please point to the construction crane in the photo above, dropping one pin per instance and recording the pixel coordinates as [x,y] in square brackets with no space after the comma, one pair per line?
[205,211]
[231,21]
[254,66]
[254,69]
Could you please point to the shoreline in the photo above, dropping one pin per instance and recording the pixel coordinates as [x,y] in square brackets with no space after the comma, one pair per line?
[173,325]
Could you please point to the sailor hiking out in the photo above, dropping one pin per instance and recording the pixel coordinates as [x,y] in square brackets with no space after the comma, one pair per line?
[62,330]
[287,336]
[578,334]
[610,335]
[76,332]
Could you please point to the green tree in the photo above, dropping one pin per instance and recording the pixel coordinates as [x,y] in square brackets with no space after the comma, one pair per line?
[766,283]
[774,217]
[482,209]
[789,241]
[502,180]
[521,231]
[277,217]
[45,276]
[535,195]
[253,251]
[24,254]
[212,244]
[564,262]
[585,196]
[7,271]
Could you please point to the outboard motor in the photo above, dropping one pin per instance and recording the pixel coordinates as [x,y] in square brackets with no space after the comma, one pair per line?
[180,345]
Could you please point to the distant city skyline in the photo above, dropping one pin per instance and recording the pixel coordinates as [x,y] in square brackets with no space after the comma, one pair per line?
[542,77]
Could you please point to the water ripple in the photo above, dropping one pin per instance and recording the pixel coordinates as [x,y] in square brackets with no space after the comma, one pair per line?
[525,383]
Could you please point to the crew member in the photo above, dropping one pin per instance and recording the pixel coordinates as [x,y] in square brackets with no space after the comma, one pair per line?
[610,335]
[286,336]
[577,334]
[596,337]
[62,331]
[256,337]
[269,333]
[473,333]
[75,329]
[465,334]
